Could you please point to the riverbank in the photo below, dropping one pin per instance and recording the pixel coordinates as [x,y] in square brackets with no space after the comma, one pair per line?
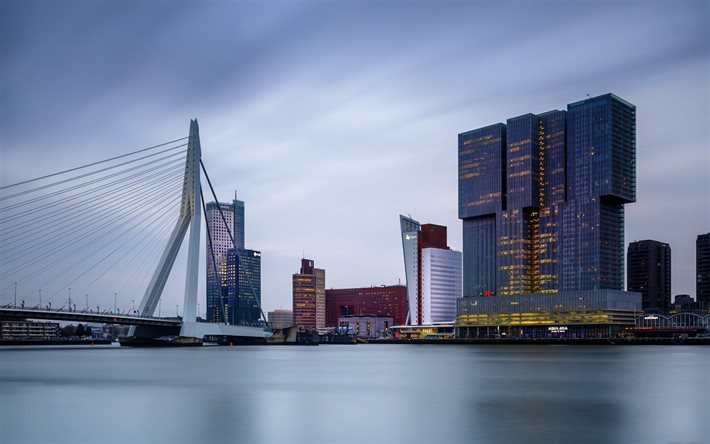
[558,341]
[55,342]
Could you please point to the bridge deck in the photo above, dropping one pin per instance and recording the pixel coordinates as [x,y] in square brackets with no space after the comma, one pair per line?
[103,318]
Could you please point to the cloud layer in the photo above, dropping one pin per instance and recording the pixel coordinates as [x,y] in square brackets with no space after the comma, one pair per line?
[330,118]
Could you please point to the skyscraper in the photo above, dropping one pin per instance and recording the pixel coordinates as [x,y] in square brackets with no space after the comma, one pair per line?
[649,273]
[702,270]
[309,296]
[243,286]
[541,198]
[218,242]
[433,272]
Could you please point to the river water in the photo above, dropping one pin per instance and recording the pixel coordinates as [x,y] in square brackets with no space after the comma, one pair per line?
[356,393]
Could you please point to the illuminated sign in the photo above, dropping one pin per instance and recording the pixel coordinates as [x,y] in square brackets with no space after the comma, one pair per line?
[557,329]
[651,317]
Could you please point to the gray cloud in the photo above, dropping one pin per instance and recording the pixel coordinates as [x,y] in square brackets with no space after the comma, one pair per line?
[332,118]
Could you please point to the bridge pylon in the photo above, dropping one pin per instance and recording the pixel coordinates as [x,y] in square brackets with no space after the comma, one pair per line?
[190,217]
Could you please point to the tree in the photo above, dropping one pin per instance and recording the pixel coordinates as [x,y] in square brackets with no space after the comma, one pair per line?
[80,331]
[68,330]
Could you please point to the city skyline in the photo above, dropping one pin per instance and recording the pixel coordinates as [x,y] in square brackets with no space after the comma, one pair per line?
[349,134]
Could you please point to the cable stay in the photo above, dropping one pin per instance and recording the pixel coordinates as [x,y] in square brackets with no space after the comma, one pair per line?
[231,237]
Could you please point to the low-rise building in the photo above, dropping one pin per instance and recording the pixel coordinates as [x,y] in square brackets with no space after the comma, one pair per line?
[365,326]
[10,330]
[385,300]
[574,314]
[280,319]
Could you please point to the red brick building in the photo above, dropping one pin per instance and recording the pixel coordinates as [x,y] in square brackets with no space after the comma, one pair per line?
[379,301]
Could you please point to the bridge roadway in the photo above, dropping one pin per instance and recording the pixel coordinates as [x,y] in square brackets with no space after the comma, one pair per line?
[199,329]
[83,316]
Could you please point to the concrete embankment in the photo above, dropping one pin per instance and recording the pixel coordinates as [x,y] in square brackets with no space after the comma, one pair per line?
[556,341]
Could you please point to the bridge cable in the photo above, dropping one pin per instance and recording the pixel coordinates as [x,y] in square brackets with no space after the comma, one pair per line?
[214,262]
[224,219]
[91,164]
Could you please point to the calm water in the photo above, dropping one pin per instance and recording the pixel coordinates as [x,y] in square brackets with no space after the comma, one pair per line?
[363,394]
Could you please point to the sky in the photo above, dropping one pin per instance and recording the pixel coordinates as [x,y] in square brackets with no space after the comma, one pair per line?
[332,118]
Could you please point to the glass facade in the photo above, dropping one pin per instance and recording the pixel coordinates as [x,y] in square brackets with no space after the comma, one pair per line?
[649,273]
[598,313]
[218,242]
[542,198]
[238,208]
[243,286]
[481,160]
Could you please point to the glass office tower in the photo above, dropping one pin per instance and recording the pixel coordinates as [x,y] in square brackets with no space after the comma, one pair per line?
[218,241]
[243,286]
[541,198]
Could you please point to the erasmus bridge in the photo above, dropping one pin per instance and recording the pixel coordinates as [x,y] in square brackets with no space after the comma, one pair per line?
[85,244]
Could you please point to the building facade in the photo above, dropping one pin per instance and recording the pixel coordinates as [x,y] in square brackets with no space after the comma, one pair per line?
[225,231]
[370,327]
[388,301]
[243,286]
[649,273]
[309,296]
[432,270]
[702,270]
[13,330]
[441,285]
[578,314]
[281,319]
[541,199]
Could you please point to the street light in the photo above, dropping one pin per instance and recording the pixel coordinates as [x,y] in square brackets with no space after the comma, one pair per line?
[15,294]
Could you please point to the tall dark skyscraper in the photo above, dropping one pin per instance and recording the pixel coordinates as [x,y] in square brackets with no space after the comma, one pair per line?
[218,243]
[541,198]
[702,270]
[649,273]
[243,286]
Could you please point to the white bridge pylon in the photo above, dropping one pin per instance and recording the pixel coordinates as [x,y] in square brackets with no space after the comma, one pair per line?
[190,217]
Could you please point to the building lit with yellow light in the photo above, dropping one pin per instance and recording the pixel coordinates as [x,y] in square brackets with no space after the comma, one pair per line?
[542,201]
[573,314]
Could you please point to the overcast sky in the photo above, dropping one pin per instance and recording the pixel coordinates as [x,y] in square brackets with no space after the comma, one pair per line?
[332,118]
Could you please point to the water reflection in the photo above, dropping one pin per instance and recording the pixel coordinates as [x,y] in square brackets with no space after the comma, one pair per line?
[383,393]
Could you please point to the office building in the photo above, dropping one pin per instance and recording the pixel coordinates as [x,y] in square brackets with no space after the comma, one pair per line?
[649,273]
[702,270]
[309,296]
[225,231]
[370,327]
[542,199]
[386,300]
[279,319]
[432,270]
[243,286]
